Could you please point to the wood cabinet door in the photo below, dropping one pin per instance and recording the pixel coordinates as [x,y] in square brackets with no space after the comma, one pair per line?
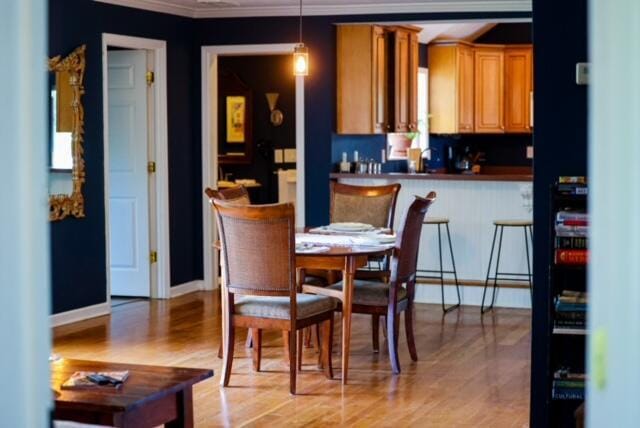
[489,90]
[518,71]
[401,78]
[379,90]
[465,88]
[412,99]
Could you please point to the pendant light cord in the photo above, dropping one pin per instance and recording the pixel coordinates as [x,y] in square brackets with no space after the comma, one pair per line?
[300,23]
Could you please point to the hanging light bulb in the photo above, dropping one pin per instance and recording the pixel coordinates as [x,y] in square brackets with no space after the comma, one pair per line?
[300,54]
[300,60]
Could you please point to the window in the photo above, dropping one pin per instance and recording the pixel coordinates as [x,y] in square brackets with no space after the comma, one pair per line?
[423,109]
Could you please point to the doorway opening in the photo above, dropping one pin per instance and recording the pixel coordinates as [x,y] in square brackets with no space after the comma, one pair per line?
[135,167]
[275,146]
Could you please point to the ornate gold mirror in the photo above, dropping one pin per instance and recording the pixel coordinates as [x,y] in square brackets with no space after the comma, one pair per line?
[67,174]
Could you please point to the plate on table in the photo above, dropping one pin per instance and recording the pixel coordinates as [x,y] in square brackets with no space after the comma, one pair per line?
[350,227]
[305,247]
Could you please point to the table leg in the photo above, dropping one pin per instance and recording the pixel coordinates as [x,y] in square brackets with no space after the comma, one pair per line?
[347,290]
[185,410]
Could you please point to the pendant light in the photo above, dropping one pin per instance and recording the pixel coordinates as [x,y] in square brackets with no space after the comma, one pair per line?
[300,53]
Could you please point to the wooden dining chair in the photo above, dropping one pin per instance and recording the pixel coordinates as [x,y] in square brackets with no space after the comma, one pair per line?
[258,260]
[378,298]
[374,205]
[237,195]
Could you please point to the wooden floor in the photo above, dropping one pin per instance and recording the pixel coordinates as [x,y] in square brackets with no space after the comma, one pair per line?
[471,372]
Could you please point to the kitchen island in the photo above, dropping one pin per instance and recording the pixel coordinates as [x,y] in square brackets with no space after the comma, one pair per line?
[472,203]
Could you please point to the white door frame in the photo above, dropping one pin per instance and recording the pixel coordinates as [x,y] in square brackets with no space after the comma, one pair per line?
[210,139]
[161,287]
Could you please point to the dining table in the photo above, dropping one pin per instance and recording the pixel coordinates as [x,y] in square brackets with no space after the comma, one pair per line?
[320,248]
[339,251]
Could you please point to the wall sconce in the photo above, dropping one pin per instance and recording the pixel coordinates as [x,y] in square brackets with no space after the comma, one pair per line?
[276,115]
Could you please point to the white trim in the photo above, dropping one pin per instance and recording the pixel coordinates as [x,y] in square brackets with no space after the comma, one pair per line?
[161,288]
[81,314]
[341,8]
[209,76]
[187,287]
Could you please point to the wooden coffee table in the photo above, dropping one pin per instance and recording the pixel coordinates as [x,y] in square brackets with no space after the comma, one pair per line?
[151,396]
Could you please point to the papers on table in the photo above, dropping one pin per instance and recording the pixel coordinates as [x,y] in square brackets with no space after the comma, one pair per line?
[310,248]
[375,240]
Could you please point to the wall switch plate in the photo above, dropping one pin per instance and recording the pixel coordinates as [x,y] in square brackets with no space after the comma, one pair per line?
[529,152]
[277,155]
[289,155]
[582,73]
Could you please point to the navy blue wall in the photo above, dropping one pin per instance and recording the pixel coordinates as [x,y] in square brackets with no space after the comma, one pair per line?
[560,140]
[78,245]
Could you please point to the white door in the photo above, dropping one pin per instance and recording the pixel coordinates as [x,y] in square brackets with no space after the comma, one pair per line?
[128,176]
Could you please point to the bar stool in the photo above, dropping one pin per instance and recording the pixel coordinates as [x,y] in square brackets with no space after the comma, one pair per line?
[527,227]
[441,272]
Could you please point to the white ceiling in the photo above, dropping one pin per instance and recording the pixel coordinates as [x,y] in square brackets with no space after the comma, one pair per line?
[468,31]
[244,8]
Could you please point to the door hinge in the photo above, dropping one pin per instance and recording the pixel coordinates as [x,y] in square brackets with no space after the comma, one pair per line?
[151,77]
[151,167]
[153,257]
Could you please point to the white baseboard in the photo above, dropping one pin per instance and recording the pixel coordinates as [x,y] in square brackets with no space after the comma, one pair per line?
[187,287]
[472,295]
[80,314]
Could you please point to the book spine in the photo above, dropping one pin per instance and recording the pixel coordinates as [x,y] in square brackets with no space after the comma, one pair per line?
[571,242]
[571,257]
[571,231]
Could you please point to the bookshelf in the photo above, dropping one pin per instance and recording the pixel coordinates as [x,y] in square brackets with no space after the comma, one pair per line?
[567,306]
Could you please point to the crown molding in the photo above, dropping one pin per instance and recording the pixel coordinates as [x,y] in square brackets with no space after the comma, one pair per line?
[339,9]
[155,6]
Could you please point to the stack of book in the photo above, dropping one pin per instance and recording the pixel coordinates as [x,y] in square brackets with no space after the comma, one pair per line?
[568,385]
[572,185]
[571,310]
[572,228]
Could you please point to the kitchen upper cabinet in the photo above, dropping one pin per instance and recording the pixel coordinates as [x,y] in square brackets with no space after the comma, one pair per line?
[377,67]
[451,88]
[380,98]
[362,99]
[489,90]
[401,80]
[518,75]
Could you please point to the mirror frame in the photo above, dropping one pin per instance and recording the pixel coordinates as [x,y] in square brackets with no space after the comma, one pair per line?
[62,205]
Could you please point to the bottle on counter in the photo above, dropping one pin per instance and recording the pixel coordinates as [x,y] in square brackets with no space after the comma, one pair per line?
[345,165]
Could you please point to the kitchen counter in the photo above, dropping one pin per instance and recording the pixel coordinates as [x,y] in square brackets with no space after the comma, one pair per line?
[438,176]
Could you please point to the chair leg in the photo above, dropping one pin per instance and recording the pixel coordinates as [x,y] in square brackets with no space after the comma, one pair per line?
[408,327]
[327,347]
[375,332]
[301,339]
[256,334]
[227,360]
[486,282]
[318,346]
[307,337]
[455,272]
[444,309]
[292,361]
[249,342]
[526,246]
[495,277]
[392,340]
[220,350]
[287,351]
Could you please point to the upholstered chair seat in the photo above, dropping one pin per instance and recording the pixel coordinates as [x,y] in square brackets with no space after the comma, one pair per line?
[371,293]
[278,307]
